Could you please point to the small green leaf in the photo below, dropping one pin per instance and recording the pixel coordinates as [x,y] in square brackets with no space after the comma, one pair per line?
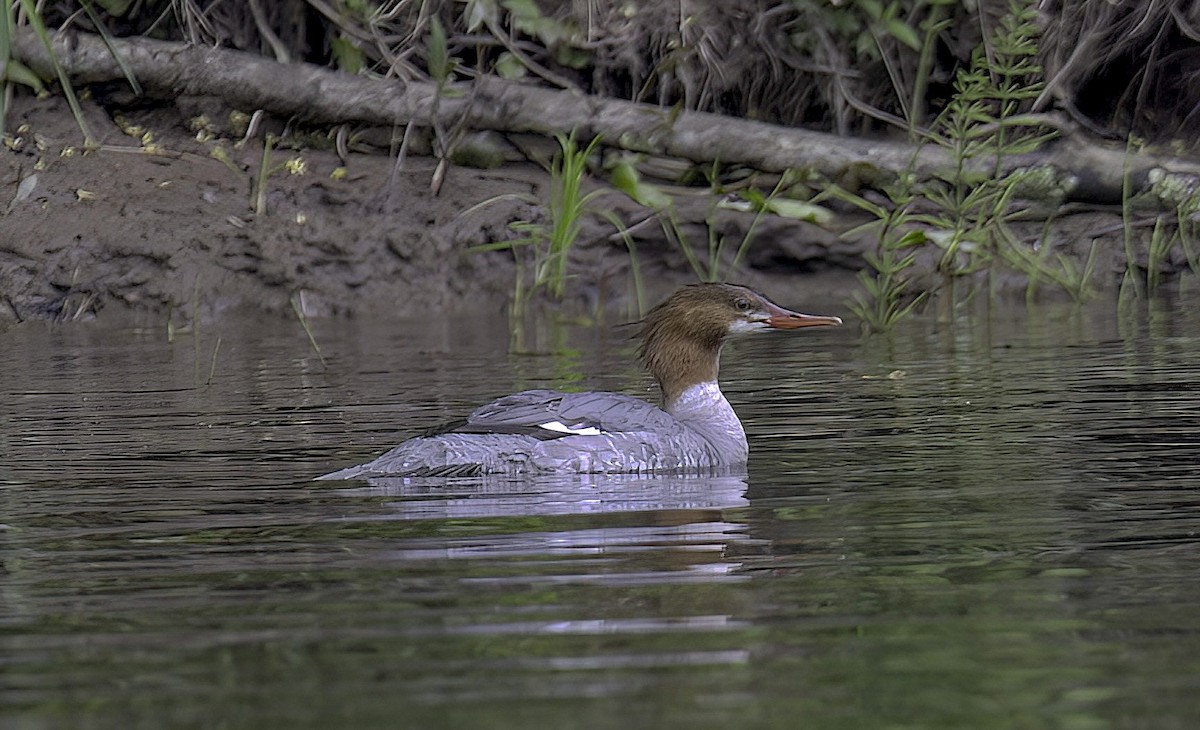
[912,238]
[943,238]
[349,57]
[478,13]
[876,210]
[572,57]
[525,13]
[625,177]
[509,66]
[756,198]
[439,59]
[865,45]
[549,31]
[19,73]
[800,210]
[902,32]
[872,8]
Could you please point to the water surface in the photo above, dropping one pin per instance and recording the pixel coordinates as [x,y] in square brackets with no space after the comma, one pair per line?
[985,522]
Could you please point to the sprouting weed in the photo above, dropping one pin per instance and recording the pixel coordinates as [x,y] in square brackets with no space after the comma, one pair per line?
[550,242]
[964,210]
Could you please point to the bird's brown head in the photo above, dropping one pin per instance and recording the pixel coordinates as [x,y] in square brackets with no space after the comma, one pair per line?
[682,337]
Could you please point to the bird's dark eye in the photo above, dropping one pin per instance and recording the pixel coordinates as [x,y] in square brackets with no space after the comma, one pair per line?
[743,305]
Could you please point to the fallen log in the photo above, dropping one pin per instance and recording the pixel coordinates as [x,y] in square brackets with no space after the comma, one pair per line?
[1077,169]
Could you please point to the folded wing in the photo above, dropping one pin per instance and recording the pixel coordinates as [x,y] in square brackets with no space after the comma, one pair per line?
[553,414]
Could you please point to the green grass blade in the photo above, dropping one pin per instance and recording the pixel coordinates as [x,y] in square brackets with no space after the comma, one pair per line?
[312,340]
[107,38]
[39,27]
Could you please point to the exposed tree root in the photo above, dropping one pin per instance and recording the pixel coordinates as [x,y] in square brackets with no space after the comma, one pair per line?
[1077,170]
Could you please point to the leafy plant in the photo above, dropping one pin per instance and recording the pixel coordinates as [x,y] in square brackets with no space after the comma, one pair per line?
[561,39]
[885,297]
[1174,191]
[965,211]
[982,122]
[1043,263]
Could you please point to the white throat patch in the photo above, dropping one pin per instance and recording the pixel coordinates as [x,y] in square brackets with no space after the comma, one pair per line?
[701,398]
[742,326]
[704,409]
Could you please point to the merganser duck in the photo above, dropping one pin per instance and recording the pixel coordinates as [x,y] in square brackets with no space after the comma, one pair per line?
[539,431]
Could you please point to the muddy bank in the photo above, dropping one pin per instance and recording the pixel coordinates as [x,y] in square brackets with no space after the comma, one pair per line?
[174,233]
[121,230]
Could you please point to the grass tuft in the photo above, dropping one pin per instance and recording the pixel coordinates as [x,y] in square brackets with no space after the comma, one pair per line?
[549,243]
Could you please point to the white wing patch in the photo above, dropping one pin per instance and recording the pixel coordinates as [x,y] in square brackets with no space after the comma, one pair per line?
[576,430]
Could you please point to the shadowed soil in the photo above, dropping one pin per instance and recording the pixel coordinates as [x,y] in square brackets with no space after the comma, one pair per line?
[176,230]
[173,233]
[119,228]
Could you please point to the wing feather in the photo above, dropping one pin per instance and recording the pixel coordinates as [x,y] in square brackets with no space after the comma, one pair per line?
[530,409]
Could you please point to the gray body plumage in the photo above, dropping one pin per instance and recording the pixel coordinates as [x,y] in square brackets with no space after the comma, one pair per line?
[507,436]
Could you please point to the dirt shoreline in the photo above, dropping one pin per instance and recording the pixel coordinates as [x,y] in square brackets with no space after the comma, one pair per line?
[122,230]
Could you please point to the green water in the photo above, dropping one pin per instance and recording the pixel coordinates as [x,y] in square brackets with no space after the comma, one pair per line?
[987,522]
